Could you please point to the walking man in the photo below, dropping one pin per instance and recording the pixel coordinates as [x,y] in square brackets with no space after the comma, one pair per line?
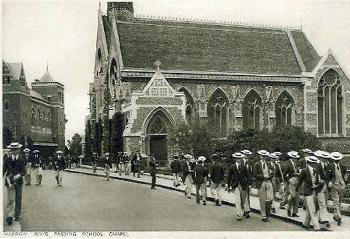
[279,177]
[239,180]
[336,175]
[120,162]
[200,180]
[136,164]
[153,170]
[60,165]
[292,176]
[37,164]
[188,174]
[14,170]
[176,168]
[94,162]
[263,174]
[217,174]
[247,163]
[309,176]
[28,161]
[108,165]
[126,162]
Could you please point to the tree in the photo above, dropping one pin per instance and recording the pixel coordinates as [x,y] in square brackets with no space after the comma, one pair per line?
[75,146]
[88,141]
[117,133]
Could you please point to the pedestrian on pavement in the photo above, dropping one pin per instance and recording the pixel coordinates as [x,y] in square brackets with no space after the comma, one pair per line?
[136,164]
[176,168]
[153,170]
[284,162]
[126,162]
[38,167]
[309,176]
[60,165]
[301,165]
[263,174]
[200,180]
[94,162]
[322,193]
[217,174]
[14,169]
[28,161]
[336,176]
[239,180]
[108,165]
[120,162]
[292,175]
[247,162]
[187,169]
[279,178]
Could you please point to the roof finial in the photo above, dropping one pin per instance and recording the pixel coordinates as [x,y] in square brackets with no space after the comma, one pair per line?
[99,6]
[157,64]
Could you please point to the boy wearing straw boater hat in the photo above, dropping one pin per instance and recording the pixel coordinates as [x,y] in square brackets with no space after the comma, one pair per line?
[28,161]
[187,169]
[247,162]
[14,171]
[292,175]
[60,165]
[126,163]
[336,175]
[263,174]
[108,165]
[238,180]
[217,175]
[322,193]
[37,165]
[94,162]
[309,177]
[200,180]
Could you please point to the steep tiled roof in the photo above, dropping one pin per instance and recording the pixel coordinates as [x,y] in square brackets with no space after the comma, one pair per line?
[15,69]
[47,77]
[306,50]
[36,94]
[205,47]
[107,30]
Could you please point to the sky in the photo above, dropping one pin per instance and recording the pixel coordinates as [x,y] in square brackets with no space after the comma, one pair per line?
[63,34]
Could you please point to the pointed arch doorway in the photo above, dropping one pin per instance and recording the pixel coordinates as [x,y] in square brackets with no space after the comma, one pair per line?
[157,131]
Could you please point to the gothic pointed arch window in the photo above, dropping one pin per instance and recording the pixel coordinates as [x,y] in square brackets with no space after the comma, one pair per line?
[252,111]
[330,104]
[190,108]
[217,111]
[284,109]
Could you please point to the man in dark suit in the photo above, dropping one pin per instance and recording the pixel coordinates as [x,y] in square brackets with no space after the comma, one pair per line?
[14,171]
[28,161]
[176,168]
[309,177]
[60,165]
[126,162]
[263,174]
[248,163]
[200,180]
[336,176]
[108,165]
[153,170]
[217,174]
[292,174]
[322,193]
[38,167]
[94,162]
[187,169]
[239,180]
[136,164]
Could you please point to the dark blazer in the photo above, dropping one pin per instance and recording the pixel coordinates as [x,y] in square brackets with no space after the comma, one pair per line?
[305,177]
[176,166]
[125,159]
[279,172]
[259,175]
[13,167]
[187,170]
[200,173]
[153,167]
[323,172]
[217,173]
[302,163]
[108,162]
[331,172]
[290,172]
[236,177]
[37,162]
[60,164]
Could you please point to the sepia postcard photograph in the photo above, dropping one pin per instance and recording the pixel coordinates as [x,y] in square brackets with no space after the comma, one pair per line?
[174,118]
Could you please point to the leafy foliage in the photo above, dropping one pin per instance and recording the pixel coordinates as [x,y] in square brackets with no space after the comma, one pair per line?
[75,148]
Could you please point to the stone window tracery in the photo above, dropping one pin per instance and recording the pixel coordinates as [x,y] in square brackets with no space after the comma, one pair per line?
[217,111]
[252,110]
[284,109]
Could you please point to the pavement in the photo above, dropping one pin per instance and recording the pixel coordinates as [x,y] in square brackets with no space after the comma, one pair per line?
[16,226]
[166,182]
[88,203]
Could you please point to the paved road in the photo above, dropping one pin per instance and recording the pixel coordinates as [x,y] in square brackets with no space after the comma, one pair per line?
[87,203]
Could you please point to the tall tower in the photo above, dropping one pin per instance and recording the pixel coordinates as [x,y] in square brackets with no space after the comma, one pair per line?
[53,92]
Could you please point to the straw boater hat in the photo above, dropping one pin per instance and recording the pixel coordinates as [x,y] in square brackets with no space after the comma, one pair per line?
[246,152]
[322,154]
[14,146]
[59,152]
[336,156]
[278,154]
[94,153]
[293,154]
[187,156]
[201,159]
[263,153]
[107,154]
[237,155]
[273,156]
[36,151]
[307,151]
[311,159]
[26,150]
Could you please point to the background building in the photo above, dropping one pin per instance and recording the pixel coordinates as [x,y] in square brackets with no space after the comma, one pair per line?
[33,116]
[159,71]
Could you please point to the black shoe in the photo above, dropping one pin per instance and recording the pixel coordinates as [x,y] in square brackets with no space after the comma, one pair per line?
[17,219]
[217,202]
[321,229]
[239,219]
[204,203]
[308,228]
[9,220]
[324,222]
[264,219]
[289,213]
[247,215]
[196,201]
[282,207]
[304,208]
[273,210]
[295,215]
[338,220]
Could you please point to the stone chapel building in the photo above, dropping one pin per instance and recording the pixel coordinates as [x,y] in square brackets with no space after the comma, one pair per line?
[159,71]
